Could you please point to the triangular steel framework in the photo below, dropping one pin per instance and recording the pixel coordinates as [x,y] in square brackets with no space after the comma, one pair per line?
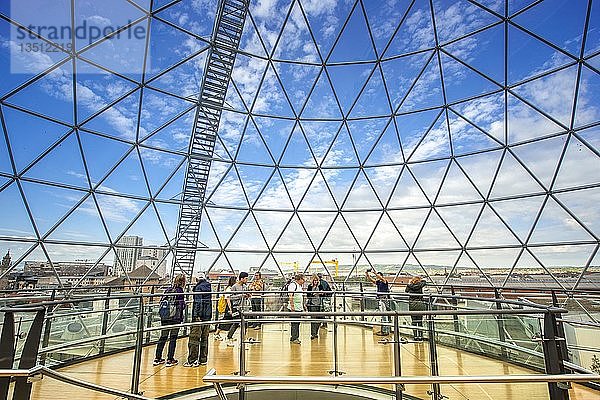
[442,130]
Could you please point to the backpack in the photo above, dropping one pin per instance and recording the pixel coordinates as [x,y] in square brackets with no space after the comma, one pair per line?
[222,304]
[284,297]
[326,288]
[167,309]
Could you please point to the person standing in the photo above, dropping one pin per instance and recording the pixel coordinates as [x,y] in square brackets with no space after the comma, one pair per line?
[383,298]
[235,301]
[296,304]
[224,326]
[256,300]
[314,301]
[416,303]
[201,311]
[326,297]
[172,332]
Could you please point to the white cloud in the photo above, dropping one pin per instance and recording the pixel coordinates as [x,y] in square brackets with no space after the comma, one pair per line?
[25,62]
[99,21]
[114,208]
[265,9]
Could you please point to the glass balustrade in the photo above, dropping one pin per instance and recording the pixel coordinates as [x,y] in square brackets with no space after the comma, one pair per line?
[78,329]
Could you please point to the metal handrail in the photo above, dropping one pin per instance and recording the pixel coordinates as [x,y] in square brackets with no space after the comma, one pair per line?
[510,311]
[353,380]
[541,292]
[338,294]
[40,370]
[582,323]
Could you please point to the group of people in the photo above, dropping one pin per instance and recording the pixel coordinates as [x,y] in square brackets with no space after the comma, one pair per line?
[318,299]
[236,291]
[198,338]
[202,311]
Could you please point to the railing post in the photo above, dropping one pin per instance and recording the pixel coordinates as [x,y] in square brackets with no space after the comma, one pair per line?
[23,386]
[500,322]
[553,358]
[433,359]
[150,315]
[137,356]
[554,298]
[335,371]
[185,311]
[397,357]
[105,321]
[242,387]
[455,319]
[7,348]
[47,327]
[344,296]
[362,301]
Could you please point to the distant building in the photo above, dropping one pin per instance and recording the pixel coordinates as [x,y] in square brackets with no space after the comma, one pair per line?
[77,268]
[50,281]
[139,276]
[20,280]
[4,267]
[223,276]
[66,273]
[128,251]
[154,258]
[6,262]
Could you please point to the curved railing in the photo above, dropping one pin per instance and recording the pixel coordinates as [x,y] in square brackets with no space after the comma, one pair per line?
[517,331]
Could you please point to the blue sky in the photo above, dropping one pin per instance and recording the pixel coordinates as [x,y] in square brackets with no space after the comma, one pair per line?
[355,133]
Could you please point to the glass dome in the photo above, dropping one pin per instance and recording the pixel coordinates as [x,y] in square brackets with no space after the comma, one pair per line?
[454,139]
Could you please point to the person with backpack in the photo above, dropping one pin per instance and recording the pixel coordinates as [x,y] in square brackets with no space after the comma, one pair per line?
[224,326]
[201,311]
[284,298]
[176,303]
[236,299]
[383,298]
[296,304]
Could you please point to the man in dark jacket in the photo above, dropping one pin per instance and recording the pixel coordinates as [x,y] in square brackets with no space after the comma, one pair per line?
[326,305]
[201,311]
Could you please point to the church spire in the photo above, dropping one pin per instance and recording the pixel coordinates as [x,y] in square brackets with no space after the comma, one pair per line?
[6,262]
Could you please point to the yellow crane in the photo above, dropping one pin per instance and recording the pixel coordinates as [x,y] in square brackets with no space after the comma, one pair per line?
[296,265]
[329,262]
[288,264]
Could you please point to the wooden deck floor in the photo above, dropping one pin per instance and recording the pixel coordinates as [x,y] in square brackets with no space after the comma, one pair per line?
[360,354]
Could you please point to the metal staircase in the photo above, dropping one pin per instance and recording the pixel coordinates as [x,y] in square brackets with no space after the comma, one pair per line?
[227,31]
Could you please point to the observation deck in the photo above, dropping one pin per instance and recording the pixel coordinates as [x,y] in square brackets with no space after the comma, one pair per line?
[476,346]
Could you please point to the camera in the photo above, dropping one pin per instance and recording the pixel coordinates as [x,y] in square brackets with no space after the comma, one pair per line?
[370,270]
